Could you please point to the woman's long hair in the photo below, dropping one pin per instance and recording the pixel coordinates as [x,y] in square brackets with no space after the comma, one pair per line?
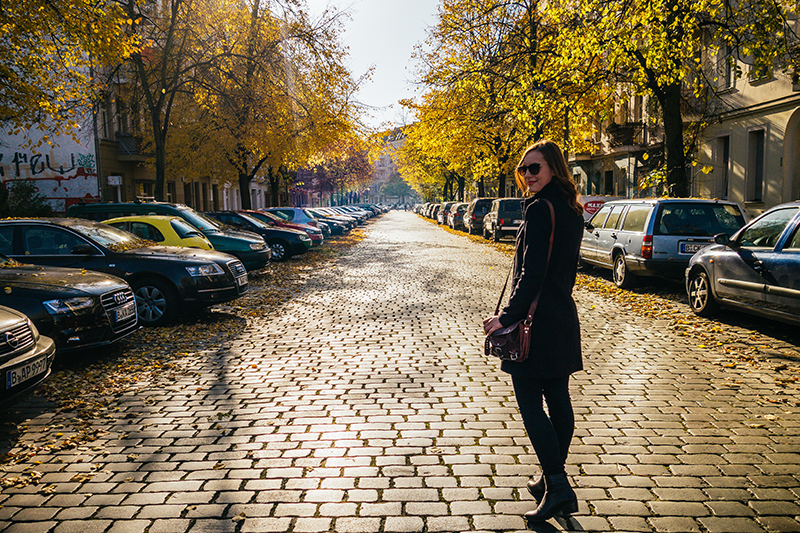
[555,159]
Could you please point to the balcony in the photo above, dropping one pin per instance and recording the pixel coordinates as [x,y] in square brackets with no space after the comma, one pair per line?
[623,134]
[129,148]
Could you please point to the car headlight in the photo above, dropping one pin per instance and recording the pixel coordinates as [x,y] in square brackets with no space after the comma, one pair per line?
[304,237]
[257,246]
[210,269]
[71,305]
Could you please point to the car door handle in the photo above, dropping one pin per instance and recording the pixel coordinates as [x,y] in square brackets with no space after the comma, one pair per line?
[613,235]
[596,233]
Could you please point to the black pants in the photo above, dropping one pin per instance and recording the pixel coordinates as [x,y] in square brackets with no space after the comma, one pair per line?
[551,432]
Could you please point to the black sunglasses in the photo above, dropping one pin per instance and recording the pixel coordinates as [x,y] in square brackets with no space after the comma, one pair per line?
[533,168]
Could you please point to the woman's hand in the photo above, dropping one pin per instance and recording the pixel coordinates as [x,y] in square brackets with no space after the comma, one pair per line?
[491,324]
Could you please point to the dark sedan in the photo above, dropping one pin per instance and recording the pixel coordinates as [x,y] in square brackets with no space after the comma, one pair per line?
[757,270]
[77,308]
[284,242]
[271,219]
[25,356]
[165,280]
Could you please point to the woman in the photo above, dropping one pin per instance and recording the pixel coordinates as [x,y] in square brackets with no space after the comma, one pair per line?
[555,351]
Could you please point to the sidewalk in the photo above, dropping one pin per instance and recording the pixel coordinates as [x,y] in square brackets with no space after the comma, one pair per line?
[366,405]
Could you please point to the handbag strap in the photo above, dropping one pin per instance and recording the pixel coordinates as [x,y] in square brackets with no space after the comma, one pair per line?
[535,302]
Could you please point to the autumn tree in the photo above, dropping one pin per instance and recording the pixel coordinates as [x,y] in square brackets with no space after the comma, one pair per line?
[278,92]
[491,88]
[49,50]
[655,47]
[343,170]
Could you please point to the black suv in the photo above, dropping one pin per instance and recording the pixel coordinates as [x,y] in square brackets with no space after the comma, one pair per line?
[473,217]
[504,218]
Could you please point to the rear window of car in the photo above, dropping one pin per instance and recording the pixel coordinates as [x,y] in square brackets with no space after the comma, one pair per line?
[513,207]
[636,218]
[481,208]
[692,218]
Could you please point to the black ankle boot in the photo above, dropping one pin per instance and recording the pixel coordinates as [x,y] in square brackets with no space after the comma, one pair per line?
[559,498]
[536,488]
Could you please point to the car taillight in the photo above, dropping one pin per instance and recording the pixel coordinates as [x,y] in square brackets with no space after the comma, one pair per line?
[647,246]
[500,221]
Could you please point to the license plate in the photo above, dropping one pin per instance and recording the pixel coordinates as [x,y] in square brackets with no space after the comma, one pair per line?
[517,222]
[241,280]
[126,311]
[691,247]
[25,371]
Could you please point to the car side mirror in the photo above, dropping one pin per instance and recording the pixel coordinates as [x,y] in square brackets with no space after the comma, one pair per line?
[724,238]
[588,226]
[82,249]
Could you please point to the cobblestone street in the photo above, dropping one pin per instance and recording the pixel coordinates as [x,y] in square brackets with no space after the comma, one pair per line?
[366,405]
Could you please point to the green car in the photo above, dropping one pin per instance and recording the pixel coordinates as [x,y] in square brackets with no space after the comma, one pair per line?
[248,247]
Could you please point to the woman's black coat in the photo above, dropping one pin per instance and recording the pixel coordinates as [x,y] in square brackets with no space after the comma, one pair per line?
[555,349]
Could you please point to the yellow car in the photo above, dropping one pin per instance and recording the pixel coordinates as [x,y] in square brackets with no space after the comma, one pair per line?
[165,230]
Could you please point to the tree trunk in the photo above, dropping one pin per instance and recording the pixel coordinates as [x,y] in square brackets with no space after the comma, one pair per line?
[481,188]
[677,180]
[244,189]
[274,188]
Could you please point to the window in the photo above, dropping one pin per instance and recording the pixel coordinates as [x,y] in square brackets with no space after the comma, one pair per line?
[764,232]
[613,218]
[48,241]
[698,219]
[725,62]
[723,161]
[794,243]
[755,170]
[600,217]
[7,240]
[636,218]
[147,231]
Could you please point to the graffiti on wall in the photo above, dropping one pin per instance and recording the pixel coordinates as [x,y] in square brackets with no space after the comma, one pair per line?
[63,177]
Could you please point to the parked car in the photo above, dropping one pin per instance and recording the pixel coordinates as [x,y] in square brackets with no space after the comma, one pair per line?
[163,229]
[503,218]
[284,242]
[250,248]
[476,210]
[756,270]
[444,212]
[77,308]
[165,279]
[654,237]
[271,219]
[331,217]
[456,217]
[25,356]
[299,215]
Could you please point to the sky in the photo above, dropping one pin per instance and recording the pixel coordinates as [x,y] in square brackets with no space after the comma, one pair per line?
[382,34]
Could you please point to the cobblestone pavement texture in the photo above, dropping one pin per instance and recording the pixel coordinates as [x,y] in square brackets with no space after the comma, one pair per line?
[366,405]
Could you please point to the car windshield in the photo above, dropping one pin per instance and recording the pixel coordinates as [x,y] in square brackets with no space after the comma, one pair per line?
[183,228]
[198,220]
[264,216]
[257,223]
[108,236]
[694,218]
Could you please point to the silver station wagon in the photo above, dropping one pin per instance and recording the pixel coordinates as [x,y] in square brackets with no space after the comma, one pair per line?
[655,237]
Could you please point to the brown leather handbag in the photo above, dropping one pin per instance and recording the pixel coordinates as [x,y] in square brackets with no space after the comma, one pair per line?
[512,343]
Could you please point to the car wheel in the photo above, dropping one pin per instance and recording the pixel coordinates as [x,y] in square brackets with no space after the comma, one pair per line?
[622,277]
[701,299]
[278,250]
[156,302]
